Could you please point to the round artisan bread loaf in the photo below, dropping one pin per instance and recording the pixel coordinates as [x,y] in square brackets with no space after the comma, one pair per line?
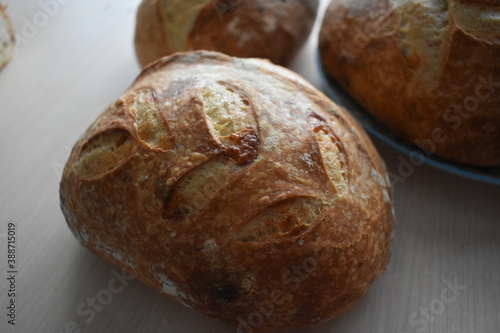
[272,29]
[7,41]
[429,69]
[235,187]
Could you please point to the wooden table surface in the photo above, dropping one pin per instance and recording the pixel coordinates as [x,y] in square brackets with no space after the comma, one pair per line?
[444,275]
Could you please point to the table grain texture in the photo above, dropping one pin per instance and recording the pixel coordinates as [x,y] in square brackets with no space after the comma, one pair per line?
[444,274]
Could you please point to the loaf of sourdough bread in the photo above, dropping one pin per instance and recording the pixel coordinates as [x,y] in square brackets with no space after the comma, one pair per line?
[233,185]
[271,29]
[429,69]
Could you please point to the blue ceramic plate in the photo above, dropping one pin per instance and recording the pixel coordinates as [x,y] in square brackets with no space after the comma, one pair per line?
[383,133]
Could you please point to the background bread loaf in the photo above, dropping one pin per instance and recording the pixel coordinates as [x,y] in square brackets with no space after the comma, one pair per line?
[271,29]
[213,179]
[7,41]
[429,69]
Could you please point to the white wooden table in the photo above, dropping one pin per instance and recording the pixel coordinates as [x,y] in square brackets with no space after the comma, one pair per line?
[444,275]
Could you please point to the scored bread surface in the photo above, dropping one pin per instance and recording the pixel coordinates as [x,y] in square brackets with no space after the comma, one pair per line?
[213,177]
[429,69]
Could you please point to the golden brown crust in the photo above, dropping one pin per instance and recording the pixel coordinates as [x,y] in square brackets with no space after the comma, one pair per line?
[260,192]
[274,29]
[428,69]
[7,39]
[150,40]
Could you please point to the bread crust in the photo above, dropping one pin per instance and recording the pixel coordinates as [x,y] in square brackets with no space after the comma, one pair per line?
[220,214]
[274,30]
[10,31]
[150,39]
[424,68]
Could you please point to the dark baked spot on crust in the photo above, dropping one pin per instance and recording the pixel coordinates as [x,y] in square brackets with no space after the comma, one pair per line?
[174,211]
[216,288]
[224,294]
[161,190]
[127,178]
[226,6]
[245,148]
